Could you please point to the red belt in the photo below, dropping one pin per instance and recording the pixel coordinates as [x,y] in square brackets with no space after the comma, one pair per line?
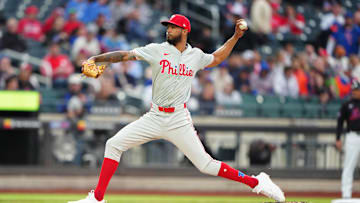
[168,109]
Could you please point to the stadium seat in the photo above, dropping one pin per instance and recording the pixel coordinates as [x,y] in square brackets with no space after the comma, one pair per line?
[250,106]
[333,109]
[293,108]
[51,99]
[312,110]
[250,110]
[271,107]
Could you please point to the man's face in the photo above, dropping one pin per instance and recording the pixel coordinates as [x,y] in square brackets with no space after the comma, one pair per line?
[32,16]
[228,89]
[12,85]
[349,21]
[75,88]
[54,50]
[337,9]
[12,25]
[296,64]
[72,16]
[208,92]
[355,93]
[102,2]
[288,72]
[173,34]
[5,63]
[24,75]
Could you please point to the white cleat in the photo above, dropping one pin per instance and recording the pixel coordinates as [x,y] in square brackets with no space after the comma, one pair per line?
[268,188]
[89,199]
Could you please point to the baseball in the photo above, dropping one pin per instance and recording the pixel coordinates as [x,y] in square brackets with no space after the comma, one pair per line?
[243,25]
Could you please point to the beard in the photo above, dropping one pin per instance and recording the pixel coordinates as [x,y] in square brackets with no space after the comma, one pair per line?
[175,40]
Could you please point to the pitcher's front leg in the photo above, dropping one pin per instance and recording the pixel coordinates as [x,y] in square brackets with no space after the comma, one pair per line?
[186,140]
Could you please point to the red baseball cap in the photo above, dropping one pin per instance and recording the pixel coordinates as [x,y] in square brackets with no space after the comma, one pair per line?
[31,10]
[178,20]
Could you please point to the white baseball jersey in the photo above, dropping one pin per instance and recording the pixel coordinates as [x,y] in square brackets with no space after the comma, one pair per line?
[172,71]
[172,75]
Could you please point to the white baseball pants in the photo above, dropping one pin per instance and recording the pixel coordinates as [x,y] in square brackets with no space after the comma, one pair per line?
[352,151]
[176,127]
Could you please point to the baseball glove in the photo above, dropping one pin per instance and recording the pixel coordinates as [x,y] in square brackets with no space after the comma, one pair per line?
[90,69]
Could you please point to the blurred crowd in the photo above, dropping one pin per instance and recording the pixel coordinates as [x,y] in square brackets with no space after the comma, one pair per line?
[78,29]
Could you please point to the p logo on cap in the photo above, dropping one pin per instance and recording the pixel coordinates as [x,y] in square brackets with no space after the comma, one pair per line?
[178,20]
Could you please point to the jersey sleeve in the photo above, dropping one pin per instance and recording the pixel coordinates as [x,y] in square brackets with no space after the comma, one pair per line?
[205,59]
[340,121]
[147,53]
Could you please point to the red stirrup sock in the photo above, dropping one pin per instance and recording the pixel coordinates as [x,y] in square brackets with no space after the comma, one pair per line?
[108,169]
[227,172]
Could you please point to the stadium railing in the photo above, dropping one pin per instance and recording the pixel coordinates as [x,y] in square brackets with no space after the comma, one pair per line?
[206,14]
[26,58]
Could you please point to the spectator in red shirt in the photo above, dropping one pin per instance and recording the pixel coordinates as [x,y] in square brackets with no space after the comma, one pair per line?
[61,66]
[276,19]
[29,26]
[50,21]
[72,24]
[293,22]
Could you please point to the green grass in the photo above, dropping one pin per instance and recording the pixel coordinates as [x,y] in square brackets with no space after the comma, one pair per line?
[61,198]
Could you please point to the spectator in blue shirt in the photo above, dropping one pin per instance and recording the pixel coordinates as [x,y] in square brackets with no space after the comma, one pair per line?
[347,35]
[76,5]
[104,9]
[113,42]
[94,8]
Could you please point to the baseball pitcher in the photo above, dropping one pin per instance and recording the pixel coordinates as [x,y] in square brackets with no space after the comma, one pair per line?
[174,64]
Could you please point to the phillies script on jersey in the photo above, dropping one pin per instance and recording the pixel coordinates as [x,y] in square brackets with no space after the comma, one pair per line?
[183,70]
